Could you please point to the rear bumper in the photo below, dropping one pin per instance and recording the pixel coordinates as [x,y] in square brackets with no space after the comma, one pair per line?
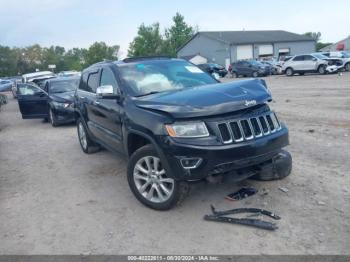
[222,159]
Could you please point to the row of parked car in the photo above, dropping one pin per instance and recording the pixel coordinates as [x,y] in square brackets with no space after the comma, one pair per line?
[320,62]
[174,123]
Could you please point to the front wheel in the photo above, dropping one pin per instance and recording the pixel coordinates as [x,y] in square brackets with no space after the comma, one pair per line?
[322,70]
[255,74]
[149,181]
[347,67]
[289,71]
[52,118]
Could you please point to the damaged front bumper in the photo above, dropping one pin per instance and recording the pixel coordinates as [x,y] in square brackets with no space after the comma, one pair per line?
[239,160]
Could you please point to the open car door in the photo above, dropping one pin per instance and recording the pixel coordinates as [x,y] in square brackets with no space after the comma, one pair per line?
[32,101]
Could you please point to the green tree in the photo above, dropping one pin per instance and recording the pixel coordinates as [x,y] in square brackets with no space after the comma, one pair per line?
[148,41]
[8,63]
[314,35]
[317,37]
[99,51]
[177,35]
[75,58]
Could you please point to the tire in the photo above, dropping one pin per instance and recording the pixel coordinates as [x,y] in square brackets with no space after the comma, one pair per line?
[347,67]
[280,168]
[145,175]
[321,70]
[87,145]
[289,71]
[255,74]
[52,118]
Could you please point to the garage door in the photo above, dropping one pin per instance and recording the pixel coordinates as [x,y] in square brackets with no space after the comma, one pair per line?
[244,52]
[265,50]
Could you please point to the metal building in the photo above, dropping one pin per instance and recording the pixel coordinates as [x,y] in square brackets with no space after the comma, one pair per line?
[224,47]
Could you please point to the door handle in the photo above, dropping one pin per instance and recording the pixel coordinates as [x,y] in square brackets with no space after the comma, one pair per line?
[96,102]
[82,97]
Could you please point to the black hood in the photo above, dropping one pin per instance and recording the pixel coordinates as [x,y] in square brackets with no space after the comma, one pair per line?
[66,97]
[208,100]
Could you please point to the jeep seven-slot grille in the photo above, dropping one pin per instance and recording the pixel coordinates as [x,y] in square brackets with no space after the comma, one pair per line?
[248,128]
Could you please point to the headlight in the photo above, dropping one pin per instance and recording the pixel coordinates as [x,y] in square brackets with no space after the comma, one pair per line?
[192,129]
[61,105]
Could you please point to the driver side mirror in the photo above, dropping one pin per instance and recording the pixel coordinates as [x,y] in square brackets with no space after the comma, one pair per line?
[106,92]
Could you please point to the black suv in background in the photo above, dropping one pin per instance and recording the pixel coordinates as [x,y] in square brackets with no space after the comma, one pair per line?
[250,68]
[212,68]
[176,124]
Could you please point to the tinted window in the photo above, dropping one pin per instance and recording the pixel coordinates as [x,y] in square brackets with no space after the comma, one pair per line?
[83,82]
[298,58]
[93,81]
[107,78]
[309,57]
[27,89]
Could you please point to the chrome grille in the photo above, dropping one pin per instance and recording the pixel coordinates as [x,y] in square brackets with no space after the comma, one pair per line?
[248,128]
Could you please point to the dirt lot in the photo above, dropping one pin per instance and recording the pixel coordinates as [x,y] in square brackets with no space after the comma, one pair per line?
[54,199]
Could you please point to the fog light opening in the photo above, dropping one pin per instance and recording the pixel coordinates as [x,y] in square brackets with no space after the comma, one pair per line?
[191,162]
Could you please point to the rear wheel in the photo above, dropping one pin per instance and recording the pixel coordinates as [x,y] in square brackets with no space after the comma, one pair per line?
[289,71]
[87,145]
[149,181]
[321,70]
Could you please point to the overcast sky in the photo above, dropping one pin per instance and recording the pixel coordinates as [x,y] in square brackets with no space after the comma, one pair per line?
[78,23]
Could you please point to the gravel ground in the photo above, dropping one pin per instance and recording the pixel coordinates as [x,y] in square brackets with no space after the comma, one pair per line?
[54,199]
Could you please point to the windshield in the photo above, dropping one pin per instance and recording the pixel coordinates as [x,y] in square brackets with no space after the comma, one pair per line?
[162,76]
[63,86]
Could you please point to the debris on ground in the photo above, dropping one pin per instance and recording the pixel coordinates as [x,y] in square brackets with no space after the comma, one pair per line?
[283,189]
[321,203]
[311,130]
[264,192]
[221,216]
[244,192]
[288,100]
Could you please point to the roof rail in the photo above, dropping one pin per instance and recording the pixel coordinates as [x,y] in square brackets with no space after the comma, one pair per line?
[142,58]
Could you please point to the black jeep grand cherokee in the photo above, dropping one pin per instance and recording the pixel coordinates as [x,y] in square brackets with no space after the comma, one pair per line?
[176,124]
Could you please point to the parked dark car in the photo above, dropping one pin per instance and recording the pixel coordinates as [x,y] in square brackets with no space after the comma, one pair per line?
[54,102]
[250,68]
[212,68]
[177,124]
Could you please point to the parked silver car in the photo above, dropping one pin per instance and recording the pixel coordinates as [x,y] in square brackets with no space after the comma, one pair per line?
[5,85]
[308,63]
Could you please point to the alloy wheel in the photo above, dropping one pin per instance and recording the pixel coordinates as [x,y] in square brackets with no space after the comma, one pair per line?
[151,180]
[82,135]
[51,117]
